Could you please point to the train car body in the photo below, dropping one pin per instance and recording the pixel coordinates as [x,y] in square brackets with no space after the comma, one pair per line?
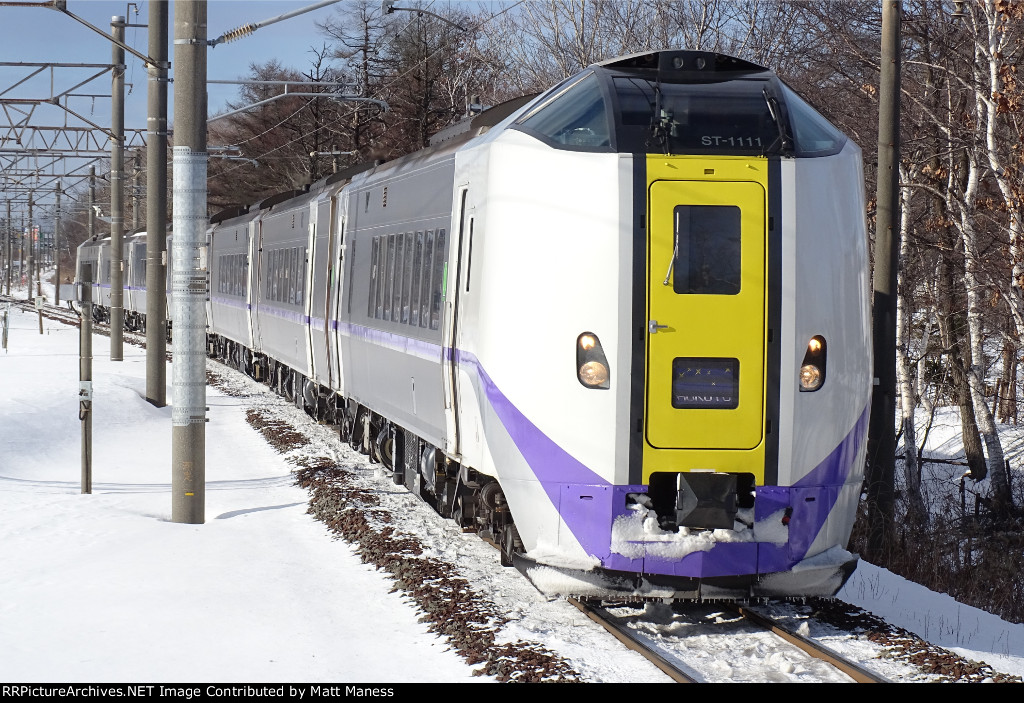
[135,281]
[229,310]
[96,252]
[621,329]
[640,268]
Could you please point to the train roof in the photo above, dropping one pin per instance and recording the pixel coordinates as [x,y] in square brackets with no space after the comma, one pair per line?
[684,65]
[485,120]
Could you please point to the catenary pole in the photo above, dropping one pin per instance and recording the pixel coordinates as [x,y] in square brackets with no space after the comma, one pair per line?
[188,279]
[156,207]
[117,193]
[881,469]
[31,253]
[92,207]
[10,247]
[136,188]
[85,374]
[56,246]
[21,255]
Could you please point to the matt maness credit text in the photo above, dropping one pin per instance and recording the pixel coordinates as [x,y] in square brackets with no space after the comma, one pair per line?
[191,692]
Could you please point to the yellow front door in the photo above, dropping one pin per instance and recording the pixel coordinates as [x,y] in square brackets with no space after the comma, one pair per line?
[706,314]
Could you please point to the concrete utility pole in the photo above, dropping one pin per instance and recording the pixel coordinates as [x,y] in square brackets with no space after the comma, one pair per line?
[136,188]
[156,208]
[881,469]
[85,375]
[117,193]
[189,285]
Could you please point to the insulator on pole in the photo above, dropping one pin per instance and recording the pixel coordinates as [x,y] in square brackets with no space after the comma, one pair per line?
[243,31]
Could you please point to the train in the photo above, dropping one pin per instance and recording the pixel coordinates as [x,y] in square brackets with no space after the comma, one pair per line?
[620,328]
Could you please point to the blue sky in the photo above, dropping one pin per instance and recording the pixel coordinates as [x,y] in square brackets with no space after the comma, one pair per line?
[44,35]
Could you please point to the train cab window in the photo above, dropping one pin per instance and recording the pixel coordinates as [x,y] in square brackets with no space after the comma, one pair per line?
[706,250]
[574,116]
[813,134]
[696,118]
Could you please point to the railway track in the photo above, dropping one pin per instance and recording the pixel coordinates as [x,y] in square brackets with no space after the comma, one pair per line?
[662,643]
[652,639]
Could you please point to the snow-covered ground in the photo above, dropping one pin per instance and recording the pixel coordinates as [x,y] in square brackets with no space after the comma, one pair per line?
[103,587]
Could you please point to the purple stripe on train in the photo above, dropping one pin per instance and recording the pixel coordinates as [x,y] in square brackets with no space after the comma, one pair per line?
[589,504]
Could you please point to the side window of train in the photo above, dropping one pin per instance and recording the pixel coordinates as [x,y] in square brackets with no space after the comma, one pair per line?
[275,272]
[410,239]
[417,274]
[389,279]
[301,278]
[427,282]
[382,268]
[371,296]
[289,276]
[396,300]
[440,268]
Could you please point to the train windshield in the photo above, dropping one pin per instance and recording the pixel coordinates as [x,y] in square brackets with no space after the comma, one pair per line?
[727,117]
[573,116]
[813,134]
[750,114]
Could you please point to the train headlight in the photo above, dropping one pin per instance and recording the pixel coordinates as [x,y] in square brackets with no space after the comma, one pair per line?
[810,377]
[592,368]
[594,374]
[812,370]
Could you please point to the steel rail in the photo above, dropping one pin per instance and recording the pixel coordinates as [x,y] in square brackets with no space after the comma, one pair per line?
[622,634]
[814,649]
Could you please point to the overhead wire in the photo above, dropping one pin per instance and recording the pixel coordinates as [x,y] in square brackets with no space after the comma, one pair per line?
[389,83]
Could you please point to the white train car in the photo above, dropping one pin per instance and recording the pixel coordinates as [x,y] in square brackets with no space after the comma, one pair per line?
[135,281]
[622,329]
[652,332]
[230,251]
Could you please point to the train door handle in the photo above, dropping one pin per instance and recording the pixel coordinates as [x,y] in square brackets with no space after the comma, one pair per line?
[653,327]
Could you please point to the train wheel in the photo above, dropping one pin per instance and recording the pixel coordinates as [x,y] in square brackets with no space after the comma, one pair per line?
[412,464]
[446,495]
[384,447]
[509,544]
[355,439]
[347,425]
[401,465]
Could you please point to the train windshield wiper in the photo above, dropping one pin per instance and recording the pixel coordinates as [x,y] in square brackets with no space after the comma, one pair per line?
[773,110]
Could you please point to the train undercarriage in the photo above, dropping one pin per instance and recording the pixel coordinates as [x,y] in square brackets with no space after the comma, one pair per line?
[472,500]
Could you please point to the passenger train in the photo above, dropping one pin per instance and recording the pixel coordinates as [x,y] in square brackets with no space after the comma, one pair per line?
[621,328]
